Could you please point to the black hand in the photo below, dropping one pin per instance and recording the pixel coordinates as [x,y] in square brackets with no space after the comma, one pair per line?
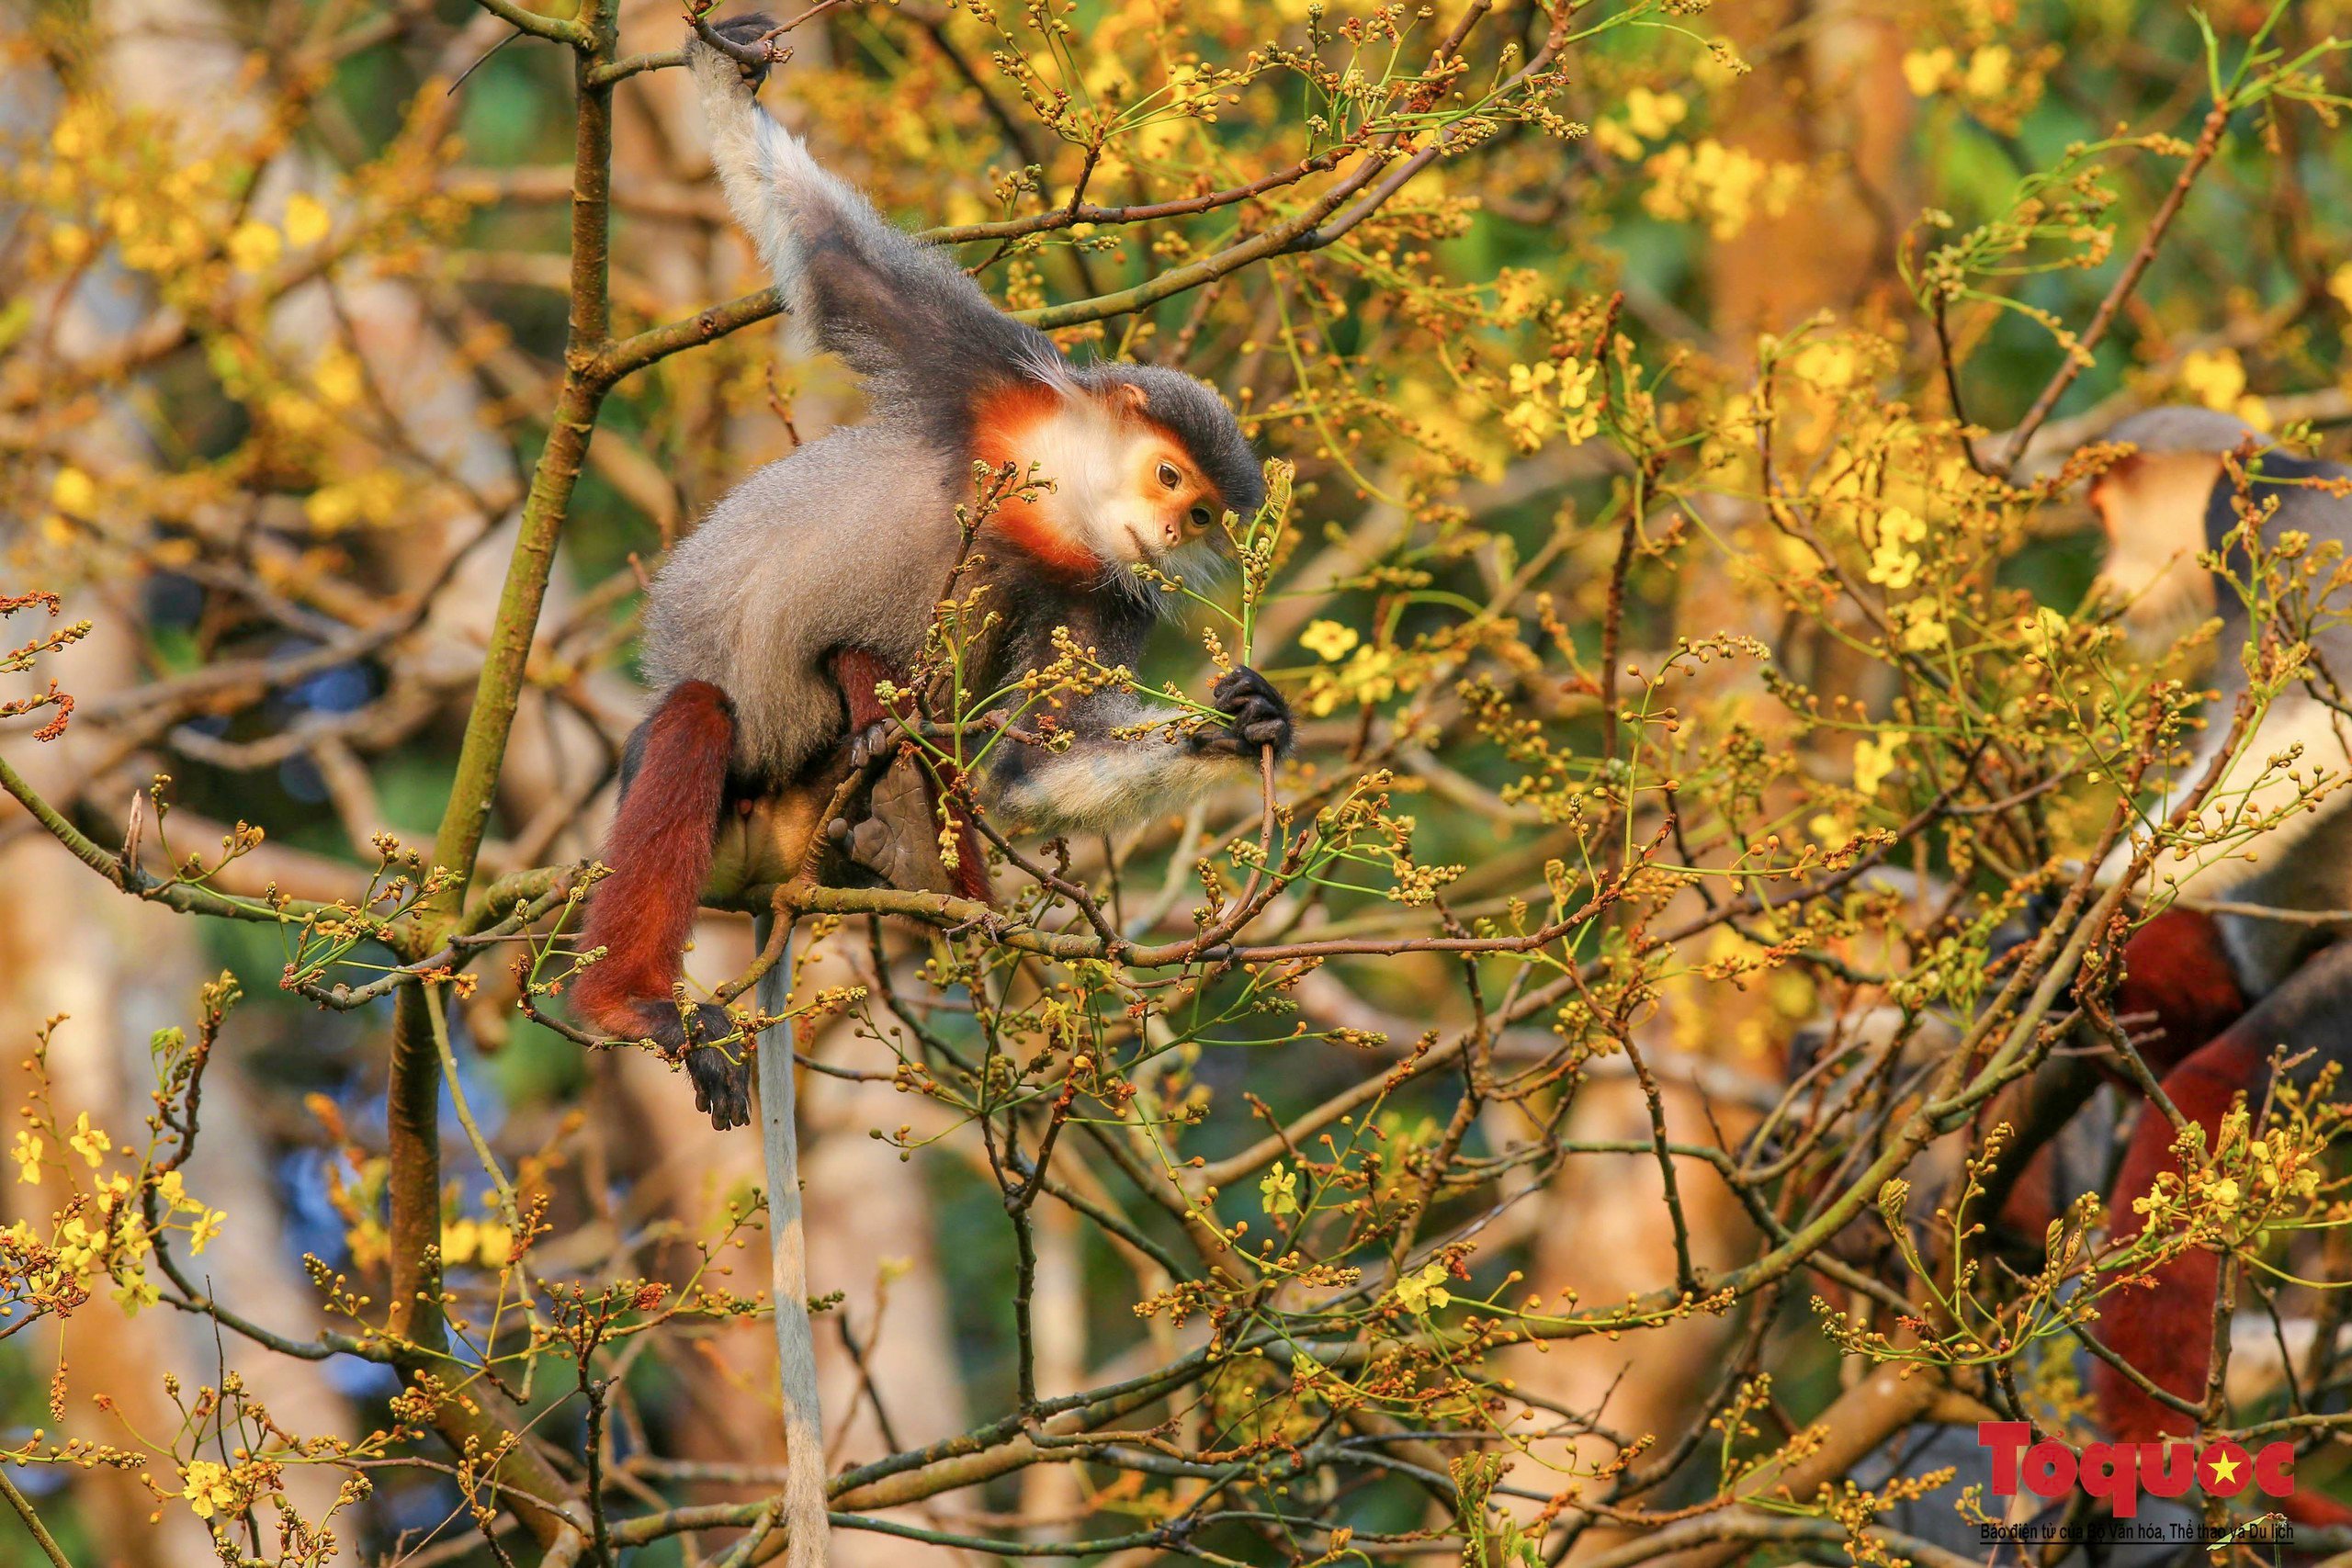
[722,1083]
[1255,716]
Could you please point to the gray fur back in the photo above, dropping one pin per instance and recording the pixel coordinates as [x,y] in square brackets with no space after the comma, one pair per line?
[857,531]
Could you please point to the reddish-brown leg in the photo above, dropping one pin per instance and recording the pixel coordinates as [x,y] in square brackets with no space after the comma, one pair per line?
[660,852]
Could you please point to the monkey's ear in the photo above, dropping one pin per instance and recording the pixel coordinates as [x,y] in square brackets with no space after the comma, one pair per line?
[1129,399]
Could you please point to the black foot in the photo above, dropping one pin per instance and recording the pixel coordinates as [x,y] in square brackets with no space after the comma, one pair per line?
[747,28]
[722,1086]
[722,1083]
[898,838]
[1255,716]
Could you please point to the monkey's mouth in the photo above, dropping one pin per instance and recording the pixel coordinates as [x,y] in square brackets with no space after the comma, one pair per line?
[1143,551]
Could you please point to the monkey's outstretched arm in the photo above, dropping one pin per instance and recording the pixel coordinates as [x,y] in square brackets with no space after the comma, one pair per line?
[1105,779]
[900,312]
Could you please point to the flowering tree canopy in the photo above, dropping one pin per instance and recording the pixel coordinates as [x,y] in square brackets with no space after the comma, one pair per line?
[1675,420]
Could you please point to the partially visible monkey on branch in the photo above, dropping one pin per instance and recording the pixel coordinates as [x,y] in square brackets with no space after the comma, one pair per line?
[818,578]
[2210,994]
[2251,964]
[2228,988]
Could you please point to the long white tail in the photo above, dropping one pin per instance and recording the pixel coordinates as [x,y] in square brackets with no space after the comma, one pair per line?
[796,1349]
[763,167]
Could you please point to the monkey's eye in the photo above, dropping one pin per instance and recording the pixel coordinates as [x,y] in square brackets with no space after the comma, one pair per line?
[1200,517]
[1168,476]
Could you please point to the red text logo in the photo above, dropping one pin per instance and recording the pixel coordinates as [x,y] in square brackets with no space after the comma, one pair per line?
[2120,1472]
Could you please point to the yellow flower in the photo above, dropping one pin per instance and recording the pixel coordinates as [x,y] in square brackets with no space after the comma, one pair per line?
[307,220]
[1370,676]
[1925,69]
[336,376]
[1615,140]
[1922,629]
[1576,397]
[1988,72]
[2224,1193]
[1422,1289]
[1279,1190]
[1372,672]
[1894,563]
[1725,185]
[74,493]
[89,1142]
[1328,640]
[74,131]
[210,1489]
[27,1153]
[1651,114]
[372,497]
[1575,383]
[1527,421]
[2214,377]
[1874,758]
[207,1226]
[77,1244]
[255,246]
[1827,366]
[2042,631]
[1519,292]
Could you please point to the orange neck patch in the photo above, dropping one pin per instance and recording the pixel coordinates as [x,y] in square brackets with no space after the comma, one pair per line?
[1004,429]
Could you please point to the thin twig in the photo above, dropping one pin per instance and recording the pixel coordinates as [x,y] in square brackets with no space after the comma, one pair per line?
[2079,353]
[23,1505]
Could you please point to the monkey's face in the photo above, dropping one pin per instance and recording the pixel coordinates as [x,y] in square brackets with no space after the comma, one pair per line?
[1145,498]
[1165,504]
[1119,489]
[2151,506]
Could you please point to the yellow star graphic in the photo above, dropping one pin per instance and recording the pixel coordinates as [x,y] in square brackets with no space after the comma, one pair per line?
[2225,1470]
